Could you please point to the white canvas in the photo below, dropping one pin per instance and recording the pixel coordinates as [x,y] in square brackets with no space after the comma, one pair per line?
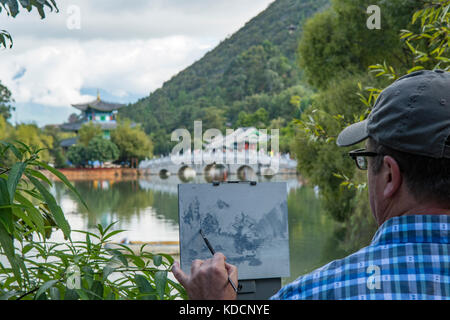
[247,223]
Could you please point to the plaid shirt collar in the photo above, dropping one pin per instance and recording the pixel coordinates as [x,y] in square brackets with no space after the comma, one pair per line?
[413,229]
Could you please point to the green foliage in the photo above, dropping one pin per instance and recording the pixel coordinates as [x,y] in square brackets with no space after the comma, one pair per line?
[5,38]
[30,134]
[318,155]
[286,134]
[5,129]
[5,100]
[48,141]
[77,155]
[11,7]
[131,141]
[346,99]
[258,119]
[212,117]
[89,270]
[161,140]
[429,48]
[26,206]
[88,131]
[56,151]
[39,269]
[337,41]
[48,138]
[100,149]
[261,68]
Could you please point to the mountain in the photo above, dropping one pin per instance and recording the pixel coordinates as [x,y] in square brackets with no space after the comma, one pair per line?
[257,61]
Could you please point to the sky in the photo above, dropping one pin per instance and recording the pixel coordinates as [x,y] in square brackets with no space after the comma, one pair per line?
[125,49]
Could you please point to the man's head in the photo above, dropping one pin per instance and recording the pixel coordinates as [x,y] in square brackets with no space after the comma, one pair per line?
[408,146]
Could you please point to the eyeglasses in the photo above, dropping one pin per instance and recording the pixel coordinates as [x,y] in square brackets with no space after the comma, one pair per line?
[360,155]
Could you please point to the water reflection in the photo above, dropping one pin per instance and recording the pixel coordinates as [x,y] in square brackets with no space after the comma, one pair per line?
[148,209]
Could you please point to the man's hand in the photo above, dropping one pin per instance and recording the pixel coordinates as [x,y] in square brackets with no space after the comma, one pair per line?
[208,279]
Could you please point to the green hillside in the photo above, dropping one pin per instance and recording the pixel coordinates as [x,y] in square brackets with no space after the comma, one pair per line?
[248,79]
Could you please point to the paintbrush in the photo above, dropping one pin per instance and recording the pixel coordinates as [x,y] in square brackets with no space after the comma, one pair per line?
[213,252]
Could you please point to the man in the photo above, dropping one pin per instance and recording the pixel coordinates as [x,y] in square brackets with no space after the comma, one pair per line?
[407,158]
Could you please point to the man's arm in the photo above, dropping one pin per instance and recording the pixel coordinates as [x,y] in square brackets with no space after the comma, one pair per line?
[208,279]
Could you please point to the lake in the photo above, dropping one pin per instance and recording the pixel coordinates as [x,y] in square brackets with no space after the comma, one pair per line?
[147,208]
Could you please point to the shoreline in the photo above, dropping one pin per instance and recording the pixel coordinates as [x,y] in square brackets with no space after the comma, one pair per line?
[83,174]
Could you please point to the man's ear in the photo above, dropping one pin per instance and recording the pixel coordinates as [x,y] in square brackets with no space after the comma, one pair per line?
[392,177]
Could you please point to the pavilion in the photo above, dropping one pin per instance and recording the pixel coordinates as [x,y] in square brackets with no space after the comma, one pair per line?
[98,112]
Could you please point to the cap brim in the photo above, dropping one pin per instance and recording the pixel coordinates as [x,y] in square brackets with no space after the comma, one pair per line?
[353,134]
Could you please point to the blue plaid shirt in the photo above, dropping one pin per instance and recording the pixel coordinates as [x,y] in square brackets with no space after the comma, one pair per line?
[408,259]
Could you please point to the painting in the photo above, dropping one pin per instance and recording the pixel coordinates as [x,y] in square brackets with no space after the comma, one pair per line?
[247,223]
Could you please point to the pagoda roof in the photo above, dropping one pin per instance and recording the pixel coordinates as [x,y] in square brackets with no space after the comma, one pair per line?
[66,143]
[99,105]
[72,126]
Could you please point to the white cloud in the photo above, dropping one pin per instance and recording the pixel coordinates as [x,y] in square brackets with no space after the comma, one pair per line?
[56,72]
[124,19]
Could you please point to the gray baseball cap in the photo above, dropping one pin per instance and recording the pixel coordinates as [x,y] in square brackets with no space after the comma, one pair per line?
[411,115]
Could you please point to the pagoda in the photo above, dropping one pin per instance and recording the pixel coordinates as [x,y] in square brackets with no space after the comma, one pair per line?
[99,112]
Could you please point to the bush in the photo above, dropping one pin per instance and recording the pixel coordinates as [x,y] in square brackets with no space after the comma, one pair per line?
[100,149]
[77,155]
[87,270]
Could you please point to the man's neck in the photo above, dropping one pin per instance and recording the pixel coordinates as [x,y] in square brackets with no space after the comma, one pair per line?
[426,210]
[416,209]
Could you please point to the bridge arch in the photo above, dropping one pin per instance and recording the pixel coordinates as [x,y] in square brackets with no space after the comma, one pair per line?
[186,173]
[267,172]
[164,174]
[246,173]
[215,172]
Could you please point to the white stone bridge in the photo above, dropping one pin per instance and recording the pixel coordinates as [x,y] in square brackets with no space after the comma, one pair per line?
[244,164]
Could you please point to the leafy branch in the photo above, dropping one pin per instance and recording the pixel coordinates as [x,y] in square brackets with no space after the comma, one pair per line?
[12,9]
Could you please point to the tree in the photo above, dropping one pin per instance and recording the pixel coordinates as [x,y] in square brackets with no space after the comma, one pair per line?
[11,7]
[5,102]
[57,152]
[258,119]
[100,149]
[319,158]
[73,118]
[88,131]
[131,141]
[261,68]
[31,135]
[162,142]
[77,155]
[212,117]
[337,41]
[5,128]
[346,100]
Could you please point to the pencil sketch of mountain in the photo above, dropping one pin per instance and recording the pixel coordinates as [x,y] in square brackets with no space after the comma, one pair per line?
[249,224]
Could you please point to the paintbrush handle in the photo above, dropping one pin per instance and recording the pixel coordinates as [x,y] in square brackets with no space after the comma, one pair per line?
[213,252]
[232,284]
